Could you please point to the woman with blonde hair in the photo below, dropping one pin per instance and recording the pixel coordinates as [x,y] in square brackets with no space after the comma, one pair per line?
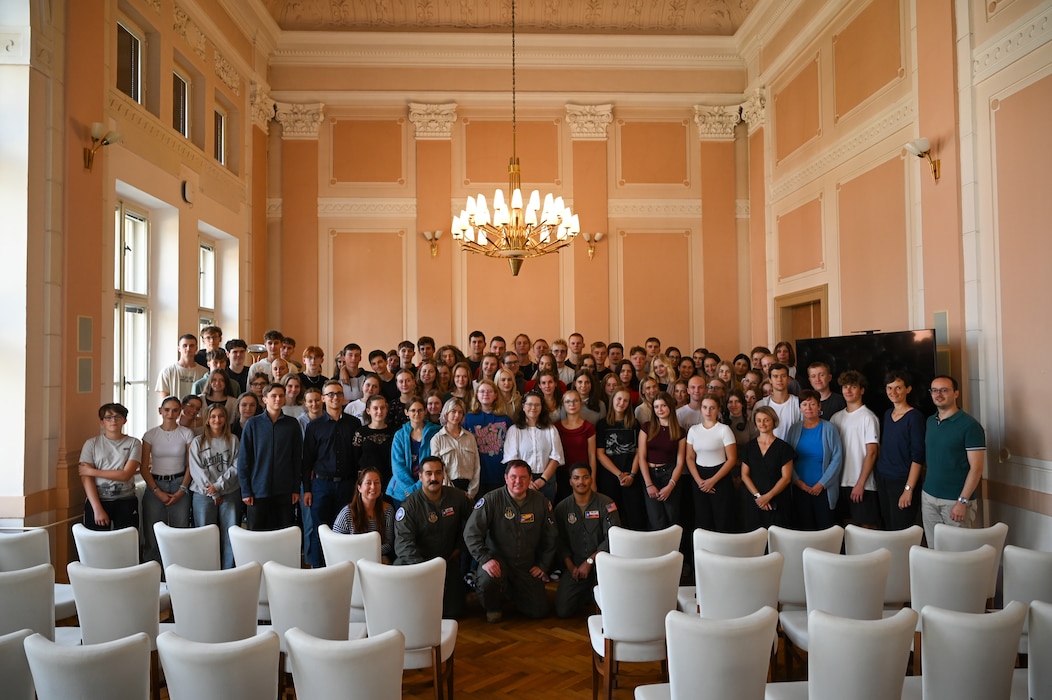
[662,369]
[508,390]
[457,449]
[617,465]
[215,489]
[488,421]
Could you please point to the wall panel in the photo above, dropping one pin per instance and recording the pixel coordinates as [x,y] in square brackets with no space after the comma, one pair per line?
[799,233]
[368,272]
[656,288]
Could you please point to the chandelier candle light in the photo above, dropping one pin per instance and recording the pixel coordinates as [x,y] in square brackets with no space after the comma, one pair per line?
[515,233]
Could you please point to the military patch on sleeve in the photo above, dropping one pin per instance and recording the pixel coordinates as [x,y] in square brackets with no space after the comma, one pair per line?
[479,503]
[400,514]
[611,507]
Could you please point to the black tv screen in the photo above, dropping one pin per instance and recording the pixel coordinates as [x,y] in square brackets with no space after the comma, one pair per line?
[874,355]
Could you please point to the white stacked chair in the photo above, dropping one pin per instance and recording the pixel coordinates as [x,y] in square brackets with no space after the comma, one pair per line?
[731,544]
[860,540]
[114,549]
[371,666]
[214,606]
[29,548]
[1035,681]
[282,546]
[189,547]
[1027,577]
[89,672]
[640,544]
[242,670]
[791,545]
[337,548]
[963,539]
[14,667]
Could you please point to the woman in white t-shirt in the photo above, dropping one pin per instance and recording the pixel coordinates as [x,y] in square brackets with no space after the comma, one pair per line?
[164,460]
[711,454]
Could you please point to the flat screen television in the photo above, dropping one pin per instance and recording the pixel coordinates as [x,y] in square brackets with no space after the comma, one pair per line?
[874,355]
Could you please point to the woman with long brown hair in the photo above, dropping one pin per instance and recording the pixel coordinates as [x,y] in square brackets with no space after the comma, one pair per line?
[368,512]
[662,456]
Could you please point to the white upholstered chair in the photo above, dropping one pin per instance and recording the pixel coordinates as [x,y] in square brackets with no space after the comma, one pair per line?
[639,544]
[337,548]
[730,544]
[87,672]
[791,545]
[860,540]
[14,668]
[242,670]
[189,547]
[1027,577]
[371,666]
[1035,681]
[214,606]
[22,550]
[963,539]
[282,546]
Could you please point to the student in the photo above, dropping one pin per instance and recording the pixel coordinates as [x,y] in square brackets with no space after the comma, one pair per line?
[108,463]
[268,465]
[819,376]
[272,340]
[662,457]
[784,404]
[576,350]
[425,345]
[178,379]
[237,353]
[406,353]
[163,468]
[216,492]
[313,359]
[217,361]
[378,361]
[476,349]
[211,339]
[288,353]
[860,433]
[488,421]
[351,374]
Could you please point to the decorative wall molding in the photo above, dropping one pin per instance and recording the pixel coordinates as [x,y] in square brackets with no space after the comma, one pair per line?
[186,28]
[654,208]
[433,122]
[588,122]
[893,119]
[263,108]
[274,207]
[754,110]
[742,209]
[380,208]
[299,121]
[1012,44]
[155,4]
[228,73]
[716,123]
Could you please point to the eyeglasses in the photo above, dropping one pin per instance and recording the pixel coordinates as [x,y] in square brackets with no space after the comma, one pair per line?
[330,394]
[934,391]
[110,417]
[713,387]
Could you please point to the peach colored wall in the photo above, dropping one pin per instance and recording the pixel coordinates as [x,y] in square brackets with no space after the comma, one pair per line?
[719,245]
[591,277]
[488,149]
[656,286]
[230,29]
[788,32]
[299,240]
[257,256]
[500,304]
[941,206]
[867,54]
[371,301]
[799,233]
[434,275]
[757,238]
[653,153]
[871,218]
[1023,163]
[366,150]
[990,17]
[797,111]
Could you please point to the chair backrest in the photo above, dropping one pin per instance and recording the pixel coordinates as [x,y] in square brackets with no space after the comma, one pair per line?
[731,544]
[1027,576]
[1039,673]
[867,656]
[736,654]
[115,603]
[371,666]
[962,539]
[107,549]
[117,670]
[636,595]
[337,548]
[14,668]
[318,601]
[846,585]
[732,586]
[637,544]
[22,550]
[860,540]
[247,668]
[27,600]
[214,606]
[282,546]
[791,544]
[189,547]
[969,655]
[951,580]
[404,598]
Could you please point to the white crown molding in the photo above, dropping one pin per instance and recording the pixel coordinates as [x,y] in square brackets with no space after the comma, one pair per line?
[654,208]
[274,207]
[588,122]
[252,13]
[262,107]
[819,22]
[433,122]
[377,207]
[299,121]
[891,120]
[716,123]
[408,49]
[220,42]
[1013,43]
[742,209]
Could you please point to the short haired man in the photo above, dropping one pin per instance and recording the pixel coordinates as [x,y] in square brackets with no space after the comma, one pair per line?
[425,345]
[512,535]
[406,353]
[378,361]
[615,352]
[781,401]
[954,449]
[178,379]
[351,375]
[756,355]
[476,349]
[583,519]
[288,353]
[430,523]
[820,378]
[653,347]
[498,346]
[108,463]
[513,364]
[637,355]
[860,434]
[268,464]
[328,469]
[216,361]
[689,414]
[560,351]
[272,340]
[576,347]
[237,353]
[540,347]
[522,346]
[599,353]
[211,339]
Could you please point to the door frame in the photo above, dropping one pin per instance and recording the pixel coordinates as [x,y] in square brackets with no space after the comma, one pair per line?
[784,305]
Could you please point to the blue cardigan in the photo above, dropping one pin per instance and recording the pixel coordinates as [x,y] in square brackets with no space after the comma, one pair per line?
[832,457]
[402,481]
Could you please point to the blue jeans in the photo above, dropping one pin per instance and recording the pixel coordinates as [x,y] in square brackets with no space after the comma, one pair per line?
[153,511]
[329,498]
[226,515]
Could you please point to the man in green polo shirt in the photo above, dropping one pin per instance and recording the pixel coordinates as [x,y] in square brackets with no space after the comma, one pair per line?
[954,449]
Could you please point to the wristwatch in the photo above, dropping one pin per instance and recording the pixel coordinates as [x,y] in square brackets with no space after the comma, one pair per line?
[907,487]
[963,500]
[590,561]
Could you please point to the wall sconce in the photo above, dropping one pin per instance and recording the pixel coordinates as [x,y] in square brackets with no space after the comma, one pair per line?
[99,138]
[922,149]
[591,239]
[432,238]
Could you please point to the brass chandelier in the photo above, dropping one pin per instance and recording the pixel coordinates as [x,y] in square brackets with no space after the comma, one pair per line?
[515,233]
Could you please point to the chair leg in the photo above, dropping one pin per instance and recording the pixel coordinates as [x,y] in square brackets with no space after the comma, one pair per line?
[281,674]
[609,674]
[155,676]
[595,675]
[449,676]
[436,666]
[916,653]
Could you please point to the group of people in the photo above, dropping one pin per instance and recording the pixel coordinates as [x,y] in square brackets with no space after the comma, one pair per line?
[553,445]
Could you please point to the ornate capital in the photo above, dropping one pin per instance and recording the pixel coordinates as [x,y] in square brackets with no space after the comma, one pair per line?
[262,108]
[433,122]
[299,121]
[754,109]
[716,123]
[588,122]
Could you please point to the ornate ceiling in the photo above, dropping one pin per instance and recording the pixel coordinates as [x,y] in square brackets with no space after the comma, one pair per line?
[664,17]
